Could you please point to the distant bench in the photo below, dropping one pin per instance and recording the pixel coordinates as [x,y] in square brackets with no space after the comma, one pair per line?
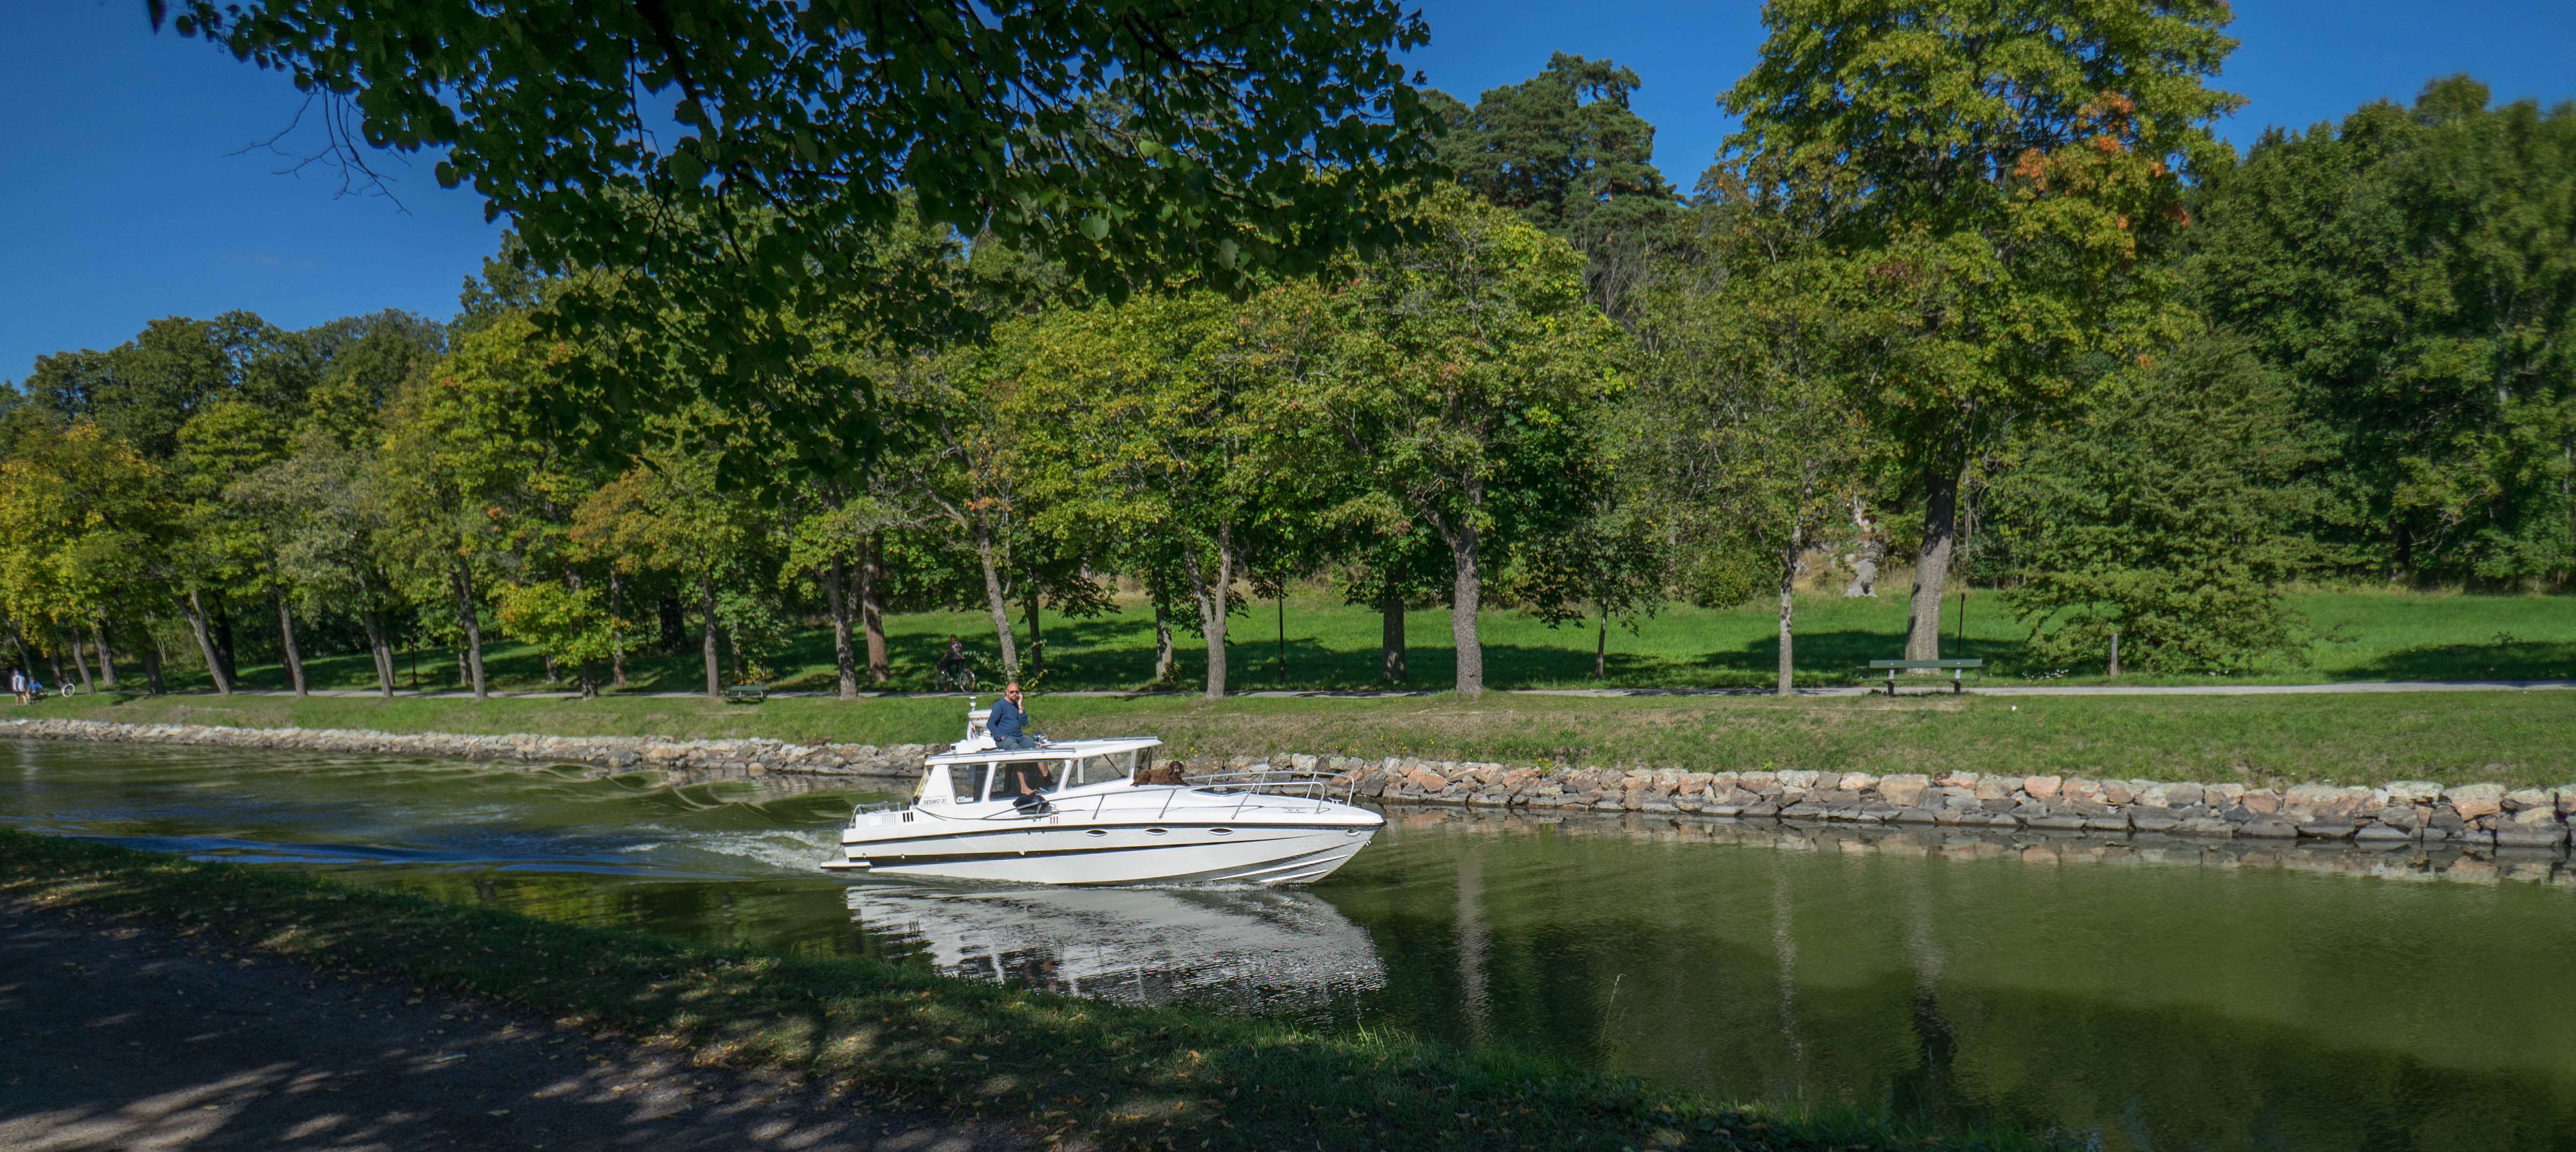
[746,693]
[1957,669]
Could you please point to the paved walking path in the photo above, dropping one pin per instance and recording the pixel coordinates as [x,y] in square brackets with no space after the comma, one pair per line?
[124,1037]
[1910,688]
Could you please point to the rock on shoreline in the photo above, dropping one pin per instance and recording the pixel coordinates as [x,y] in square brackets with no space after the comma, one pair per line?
[2470,815]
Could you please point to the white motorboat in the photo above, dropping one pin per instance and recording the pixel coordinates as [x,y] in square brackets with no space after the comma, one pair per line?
[1101,812]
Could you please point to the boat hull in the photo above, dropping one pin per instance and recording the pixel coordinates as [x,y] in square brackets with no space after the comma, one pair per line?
[1165,852]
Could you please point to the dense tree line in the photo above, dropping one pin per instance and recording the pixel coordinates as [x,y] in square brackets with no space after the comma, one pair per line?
[1980,295]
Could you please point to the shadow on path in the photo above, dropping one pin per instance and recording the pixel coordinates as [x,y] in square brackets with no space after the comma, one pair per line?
[120,1037]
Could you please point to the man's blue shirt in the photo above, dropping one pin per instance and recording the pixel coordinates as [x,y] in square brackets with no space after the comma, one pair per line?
[1007,719]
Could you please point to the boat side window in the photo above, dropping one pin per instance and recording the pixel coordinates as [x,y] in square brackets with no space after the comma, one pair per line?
[1103,769]
[1031,777]
[966,781]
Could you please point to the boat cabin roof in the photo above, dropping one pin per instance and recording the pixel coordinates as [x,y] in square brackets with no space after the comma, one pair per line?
[1061,750]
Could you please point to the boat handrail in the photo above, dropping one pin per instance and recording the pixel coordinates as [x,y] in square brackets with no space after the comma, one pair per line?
[1303,783]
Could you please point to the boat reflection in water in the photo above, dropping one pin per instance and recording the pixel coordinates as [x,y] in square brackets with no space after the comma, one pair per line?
[1265,951]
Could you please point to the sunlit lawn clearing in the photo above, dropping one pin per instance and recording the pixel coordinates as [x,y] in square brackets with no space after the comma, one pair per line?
[2520,738]
[2366,635]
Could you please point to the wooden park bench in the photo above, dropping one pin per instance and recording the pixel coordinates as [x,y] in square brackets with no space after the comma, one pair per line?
[1956,667]
[746,694]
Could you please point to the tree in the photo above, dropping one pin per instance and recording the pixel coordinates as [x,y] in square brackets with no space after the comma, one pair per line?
[2410,271]
[323,509]
[1744,432]
[1142,424]
[82,520]
[464,455]
[144,390]
[1135,143]
[230,551]
[2164,512]
[2017,174]
[1608,565]
[952,451]
[837,534]
[1565,151]
[565,623]
[1456,399]
[670,512]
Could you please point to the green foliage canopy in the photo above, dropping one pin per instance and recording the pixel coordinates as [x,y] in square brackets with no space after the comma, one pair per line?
[2164,510]
[2413,270]
[739,155]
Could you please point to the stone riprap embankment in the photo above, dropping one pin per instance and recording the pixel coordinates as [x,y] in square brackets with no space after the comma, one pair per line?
[2403,810]
[2469,815]
[724,757]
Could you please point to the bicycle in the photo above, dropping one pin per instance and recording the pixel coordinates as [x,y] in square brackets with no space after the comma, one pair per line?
[959,678]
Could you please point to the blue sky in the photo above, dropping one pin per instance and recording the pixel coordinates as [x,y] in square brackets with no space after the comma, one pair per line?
[133,189]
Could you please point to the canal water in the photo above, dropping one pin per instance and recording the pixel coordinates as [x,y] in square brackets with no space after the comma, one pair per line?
[2147,996]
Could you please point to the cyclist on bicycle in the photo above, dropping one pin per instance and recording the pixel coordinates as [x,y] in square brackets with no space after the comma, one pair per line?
[953,663]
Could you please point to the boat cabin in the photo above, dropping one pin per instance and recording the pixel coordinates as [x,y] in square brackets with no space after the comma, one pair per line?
[973,774]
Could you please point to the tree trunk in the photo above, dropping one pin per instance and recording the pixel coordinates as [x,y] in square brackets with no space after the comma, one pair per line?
[106,653]
[54,658]
[471,625]
[80,659]
[1163,669]
[150,654]
[585,675]
[1211,602]
[616,629]
[999,603]
[1932,567]
[18,640]
[286,639]
[872,609]
[379,649]
[1390,633]
[1788,606]
[554,669]
[674,624]
[1283,635]
[707,637]
[1466,596]
[1601,646]
[848,661]
[196,612]
[1037,639]
[224,639]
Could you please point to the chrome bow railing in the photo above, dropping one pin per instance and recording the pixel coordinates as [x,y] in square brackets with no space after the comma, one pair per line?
[1300,783]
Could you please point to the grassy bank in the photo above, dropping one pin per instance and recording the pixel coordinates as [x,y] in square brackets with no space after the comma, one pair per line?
[1082,1071]
[2362,635]
[2517,738]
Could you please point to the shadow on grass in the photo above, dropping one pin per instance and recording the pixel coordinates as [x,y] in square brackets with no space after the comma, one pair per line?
[2513,660]
[1116,654]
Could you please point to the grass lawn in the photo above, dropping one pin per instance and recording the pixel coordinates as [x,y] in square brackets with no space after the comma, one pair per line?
[1102,1075]
[2364,635]
[2518,738]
